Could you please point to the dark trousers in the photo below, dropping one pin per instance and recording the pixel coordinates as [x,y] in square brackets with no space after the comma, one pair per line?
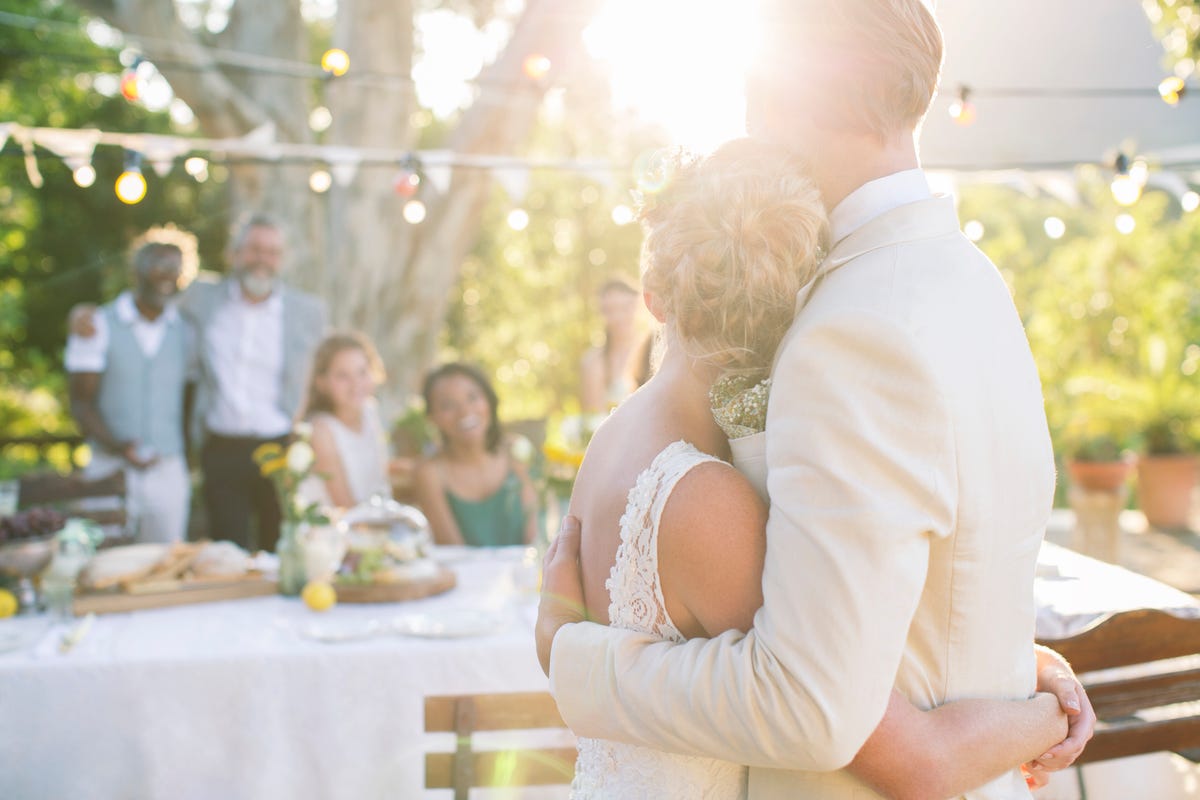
[235,491]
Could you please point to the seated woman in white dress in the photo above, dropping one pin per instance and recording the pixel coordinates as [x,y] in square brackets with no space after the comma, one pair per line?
[348,439]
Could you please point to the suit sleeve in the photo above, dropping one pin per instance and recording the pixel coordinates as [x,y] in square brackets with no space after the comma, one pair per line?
[861,473]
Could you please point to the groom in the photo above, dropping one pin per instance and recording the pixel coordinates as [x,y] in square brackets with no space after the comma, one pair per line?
[908,460]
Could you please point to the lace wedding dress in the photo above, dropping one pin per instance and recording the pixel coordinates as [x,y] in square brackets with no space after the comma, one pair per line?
[613,769]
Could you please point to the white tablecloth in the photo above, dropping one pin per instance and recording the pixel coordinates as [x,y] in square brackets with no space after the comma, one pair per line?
[230,700]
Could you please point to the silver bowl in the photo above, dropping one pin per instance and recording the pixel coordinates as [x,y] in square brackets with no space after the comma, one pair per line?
[22,560]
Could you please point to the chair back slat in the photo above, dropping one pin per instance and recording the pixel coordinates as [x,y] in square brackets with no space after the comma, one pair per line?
[465,715]
[1119,698]
[1130,637]
[50,487]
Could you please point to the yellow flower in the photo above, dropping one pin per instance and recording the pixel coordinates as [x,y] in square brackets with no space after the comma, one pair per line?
[265,452]
[273,465]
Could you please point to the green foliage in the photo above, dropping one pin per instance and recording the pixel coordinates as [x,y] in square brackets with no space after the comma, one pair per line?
[1097,449]
[1113,319]
[1175,22]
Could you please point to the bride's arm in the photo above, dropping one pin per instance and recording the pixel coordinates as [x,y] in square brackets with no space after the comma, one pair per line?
[711,548]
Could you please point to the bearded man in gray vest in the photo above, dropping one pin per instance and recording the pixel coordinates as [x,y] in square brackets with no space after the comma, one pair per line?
[127,384]
[255,338]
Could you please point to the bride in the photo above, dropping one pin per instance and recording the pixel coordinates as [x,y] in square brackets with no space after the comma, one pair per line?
[675,535]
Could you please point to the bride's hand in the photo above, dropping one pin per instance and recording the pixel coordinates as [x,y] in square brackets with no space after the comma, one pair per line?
[562,589]
[1056,677]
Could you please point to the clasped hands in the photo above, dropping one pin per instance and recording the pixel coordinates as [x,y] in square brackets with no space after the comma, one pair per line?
[562,604]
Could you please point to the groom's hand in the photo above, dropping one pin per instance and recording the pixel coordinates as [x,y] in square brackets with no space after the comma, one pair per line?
[562,589]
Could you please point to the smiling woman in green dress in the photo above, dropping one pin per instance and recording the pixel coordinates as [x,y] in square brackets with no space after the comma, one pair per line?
[472,490]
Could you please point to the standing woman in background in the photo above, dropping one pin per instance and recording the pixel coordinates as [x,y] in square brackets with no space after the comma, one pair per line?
[472,490]
[613,371]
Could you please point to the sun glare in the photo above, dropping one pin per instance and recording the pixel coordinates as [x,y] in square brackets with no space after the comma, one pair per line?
[678,63]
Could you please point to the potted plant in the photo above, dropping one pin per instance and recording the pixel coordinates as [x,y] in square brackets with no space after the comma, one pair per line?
[1099,463]
[1167,473]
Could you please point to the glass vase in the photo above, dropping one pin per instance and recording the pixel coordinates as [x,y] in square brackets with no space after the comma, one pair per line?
[290,550]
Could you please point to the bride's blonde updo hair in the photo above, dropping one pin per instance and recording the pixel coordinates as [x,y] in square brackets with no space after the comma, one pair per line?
[730,240]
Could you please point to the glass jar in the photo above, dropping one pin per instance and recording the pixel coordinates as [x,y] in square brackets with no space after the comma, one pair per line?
[290,550]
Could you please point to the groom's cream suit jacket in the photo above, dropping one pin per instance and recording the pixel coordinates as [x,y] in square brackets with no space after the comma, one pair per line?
[910,475]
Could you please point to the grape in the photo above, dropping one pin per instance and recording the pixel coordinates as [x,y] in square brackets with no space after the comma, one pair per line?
[31,524]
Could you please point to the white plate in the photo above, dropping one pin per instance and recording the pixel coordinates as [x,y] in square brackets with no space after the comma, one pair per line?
[331,632]
[448,624]
[19,633]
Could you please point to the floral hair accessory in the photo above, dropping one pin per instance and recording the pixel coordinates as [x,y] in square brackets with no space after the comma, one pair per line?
[739,404]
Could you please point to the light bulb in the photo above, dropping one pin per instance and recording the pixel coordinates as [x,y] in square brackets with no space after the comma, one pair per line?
[1055,228]
[319,119]
[406,183]
[1172,90]
[414,212]
[320,181]
[622,215]
[536,66]
[518,219]
[84,175]
[1190,201]
[131,186]
[336,62]
[1126,224]
[1126,190]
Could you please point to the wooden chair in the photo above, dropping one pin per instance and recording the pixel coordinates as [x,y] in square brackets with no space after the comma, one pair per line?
[51,488]
[465,715]
[1155,708]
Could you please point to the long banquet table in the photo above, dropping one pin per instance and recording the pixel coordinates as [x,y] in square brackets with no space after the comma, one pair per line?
[241,699]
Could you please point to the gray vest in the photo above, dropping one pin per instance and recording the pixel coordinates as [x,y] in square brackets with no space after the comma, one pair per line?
[142,398]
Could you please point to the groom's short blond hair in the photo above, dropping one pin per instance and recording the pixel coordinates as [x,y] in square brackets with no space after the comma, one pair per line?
[869,66]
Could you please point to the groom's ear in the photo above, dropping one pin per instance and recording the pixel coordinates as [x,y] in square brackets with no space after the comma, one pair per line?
[654,306]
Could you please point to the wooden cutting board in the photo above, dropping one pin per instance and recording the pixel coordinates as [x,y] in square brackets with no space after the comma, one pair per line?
[164,594]
[442,581]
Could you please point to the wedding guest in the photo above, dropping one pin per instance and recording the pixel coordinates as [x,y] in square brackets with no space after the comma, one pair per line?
[472,490]
[348,439]
[613,371]
[127,385]
[256,337]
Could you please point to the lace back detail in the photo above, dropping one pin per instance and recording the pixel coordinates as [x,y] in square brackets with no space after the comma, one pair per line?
[634,589]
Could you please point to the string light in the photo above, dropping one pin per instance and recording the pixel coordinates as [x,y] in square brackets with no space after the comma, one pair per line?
[1126,188]
[131,88]
[1190,201]
[518,219]
[320,181]
[1125,224]
[335,62]
[414,212]
[536,66]
[962,110]
[131,184]
[1055,228]
[408,180]
[1172,90]
[622,215]
[320,119]
[84,175]
[197,167]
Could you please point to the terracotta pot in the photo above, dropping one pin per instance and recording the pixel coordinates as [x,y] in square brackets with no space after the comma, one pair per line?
[1099,476]
[1164,489]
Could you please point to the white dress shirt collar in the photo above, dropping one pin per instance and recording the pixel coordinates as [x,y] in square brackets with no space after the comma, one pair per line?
[127,311]
[875,198]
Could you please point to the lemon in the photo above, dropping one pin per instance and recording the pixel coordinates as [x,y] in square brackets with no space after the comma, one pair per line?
[8,603]
[319,596]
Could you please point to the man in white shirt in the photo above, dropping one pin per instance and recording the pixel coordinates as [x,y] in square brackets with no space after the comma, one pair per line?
[127,385]
[906,455]
[257,337]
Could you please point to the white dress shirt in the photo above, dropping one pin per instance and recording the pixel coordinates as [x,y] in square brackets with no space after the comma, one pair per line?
[90,354]
[245,348]
[877,197]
